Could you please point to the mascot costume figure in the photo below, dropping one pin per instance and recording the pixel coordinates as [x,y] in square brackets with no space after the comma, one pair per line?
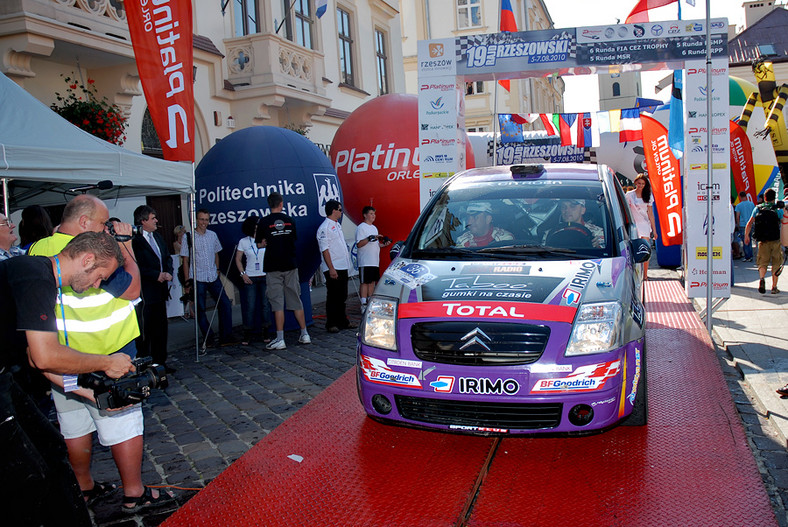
[772,97]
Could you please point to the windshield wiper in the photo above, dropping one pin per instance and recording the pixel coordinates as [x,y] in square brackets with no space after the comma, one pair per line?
[531,249]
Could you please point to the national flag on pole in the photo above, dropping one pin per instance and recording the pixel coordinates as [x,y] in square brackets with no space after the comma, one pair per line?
[640,11]
[614,117]
[603,121]
[161,37]
[568,128]
[508,25]
[587,131]
[322,5]
[676,122]
[547,121]
[631,129]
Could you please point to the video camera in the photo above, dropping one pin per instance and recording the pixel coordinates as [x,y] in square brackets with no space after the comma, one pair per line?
[382,239]
[121,237]
[132,388]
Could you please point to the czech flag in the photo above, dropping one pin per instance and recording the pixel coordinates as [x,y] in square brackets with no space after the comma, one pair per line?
[568,128]
[508,25]
[640,11]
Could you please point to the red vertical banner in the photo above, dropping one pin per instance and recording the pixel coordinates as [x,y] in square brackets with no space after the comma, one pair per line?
[664,173]
[161,35]
[742,168]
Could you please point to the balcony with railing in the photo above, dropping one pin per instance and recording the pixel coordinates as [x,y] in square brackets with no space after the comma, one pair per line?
[270,64]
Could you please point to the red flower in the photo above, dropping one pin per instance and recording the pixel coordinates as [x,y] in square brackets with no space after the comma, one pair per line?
[91,81]
[72,86]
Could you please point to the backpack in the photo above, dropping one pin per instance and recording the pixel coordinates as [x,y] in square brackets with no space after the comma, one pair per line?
[766,227]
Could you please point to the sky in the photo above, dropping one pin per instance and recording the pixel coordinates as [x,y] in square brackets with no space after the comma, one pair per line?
[575,13]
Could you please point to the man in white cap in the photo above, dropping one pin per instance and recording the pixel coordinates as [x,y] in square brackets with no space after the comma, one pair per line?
[481,231]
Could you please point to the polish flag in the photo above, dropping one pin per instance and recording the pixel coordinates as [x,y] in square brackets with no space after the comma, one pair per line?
[640,11]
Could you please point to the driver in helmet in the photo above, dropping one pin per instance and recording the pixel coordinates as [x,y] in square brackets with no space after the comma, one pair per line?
[572,211]
[481,231]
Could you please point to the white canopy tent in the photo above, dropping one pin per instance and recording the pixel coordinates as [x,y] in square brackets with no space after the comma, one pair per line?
[42,155]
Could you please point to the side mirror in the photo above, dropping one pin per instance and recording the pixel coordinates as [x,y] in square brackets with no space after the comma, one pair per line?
[395,249]
[641,250]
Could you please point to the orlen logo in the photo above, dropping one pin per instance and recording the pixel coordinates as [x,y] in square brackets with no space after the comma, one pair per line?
[436,51]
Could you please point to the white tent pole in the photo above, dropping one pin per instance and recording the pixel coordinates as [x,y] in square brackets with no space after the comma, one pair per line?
[5,196]
[192,267]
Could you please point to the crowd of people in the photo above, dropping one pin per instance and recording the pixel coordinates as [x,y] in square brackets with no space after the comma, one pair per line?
[90,295]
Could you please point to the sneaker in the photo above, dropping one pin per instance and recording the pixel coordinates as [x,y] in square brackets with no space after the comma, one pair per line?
[775,290]
[276,344]
[304,339]
[783,391]
[762,286]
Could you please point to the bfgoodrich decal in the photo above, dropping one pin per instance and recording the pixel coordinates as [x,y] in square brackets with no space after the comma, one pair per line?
[375,370]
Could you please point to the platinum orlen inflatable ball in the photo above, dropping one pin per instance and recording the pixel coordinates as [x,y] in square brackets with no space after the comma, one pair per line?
[376,156]
[234,179]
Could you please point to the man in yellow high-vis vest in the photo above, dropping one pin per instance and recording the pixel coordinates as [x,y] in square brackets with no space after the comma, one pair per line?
[100,321]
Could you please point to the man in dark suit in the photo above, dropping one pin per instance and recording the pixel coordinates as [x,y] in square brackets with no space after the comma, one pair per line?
[155,264]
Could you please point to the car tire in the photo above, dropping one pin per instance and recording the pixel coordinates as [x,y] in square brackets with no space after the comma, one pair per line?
[639,415]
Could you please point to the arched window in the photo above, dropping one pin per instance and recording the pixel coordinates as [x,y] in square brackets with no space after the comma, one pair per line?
[151,146]
[616,89]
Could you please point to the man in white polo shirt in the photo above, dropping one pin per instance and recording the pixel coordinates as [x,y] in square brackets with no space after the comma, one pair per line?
[335,265]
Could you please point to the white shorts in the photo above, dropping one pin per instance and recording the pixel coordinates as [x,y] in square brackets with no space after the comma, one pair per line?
[78,418]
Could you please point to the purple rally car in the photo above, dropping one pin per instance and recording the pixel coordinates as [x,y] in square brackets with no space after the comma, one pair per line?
[514,306]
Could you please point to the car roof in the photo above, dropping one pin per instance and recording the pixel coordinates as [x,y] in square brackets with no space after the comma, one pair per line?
[562,171]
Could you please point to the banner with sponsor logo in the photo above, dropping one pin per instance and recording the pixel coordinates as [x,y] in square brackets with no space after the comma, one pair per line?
[664,173]
[696,179]
[161,35]
[742,168]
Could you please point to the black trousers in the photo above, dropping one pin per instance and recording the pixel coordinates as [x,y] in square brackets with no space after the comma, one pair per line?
[336,297]
[153,331]
[37,486]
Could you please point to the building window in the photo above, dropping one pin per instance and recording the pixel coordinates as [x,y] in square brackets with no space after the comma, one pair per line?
[477,129]
[245,17]
[345,47]
[382,61]
[616,89]
[469,13]
[299,22]
[474,88]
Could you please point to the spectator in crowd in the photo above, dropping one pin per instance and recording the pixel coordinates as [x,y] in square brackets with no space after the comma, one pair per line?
[481,231]
[764,225]
[206,276]
[335,264]
[743,211]
[101,320]
[155,264]
[255,309]
[38,486]
[369,243]
[281,269]
[639,201]
[35,224]
[7,239]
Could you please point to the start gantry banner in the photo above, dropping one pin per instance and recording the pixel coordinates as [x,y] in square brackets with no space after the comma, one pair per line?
[161,35]
[586,50]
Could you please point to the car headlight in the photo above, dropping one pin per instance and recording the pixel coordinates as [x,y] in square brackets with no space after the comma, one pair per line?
[597,329]
[380,321]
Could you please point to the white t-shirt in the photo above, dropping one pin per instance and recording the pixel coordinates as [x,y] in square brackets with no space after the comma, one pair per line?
[639,209]
[254,256]
[329,236]
[369,255]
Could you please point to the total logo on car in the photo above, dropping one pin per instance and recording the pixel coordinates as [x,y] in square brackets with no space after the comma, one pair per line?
[514,306]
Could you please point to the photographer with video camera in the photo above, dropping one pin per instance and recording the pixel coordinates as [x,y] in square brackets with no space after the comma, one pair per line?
[101,321]
[38,486]
[369,243]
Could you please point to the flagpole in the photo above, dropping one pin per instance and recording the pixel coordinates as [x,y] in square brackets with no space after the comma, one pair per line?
[495,121]
[709,171]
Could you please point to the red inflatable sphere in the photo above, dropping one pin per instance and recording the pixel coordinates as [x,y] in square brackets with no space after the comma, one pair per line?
[375,154]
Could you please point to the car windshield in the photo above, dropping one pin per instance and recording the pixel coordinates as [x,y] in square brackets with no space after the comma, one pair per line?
[552,219]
